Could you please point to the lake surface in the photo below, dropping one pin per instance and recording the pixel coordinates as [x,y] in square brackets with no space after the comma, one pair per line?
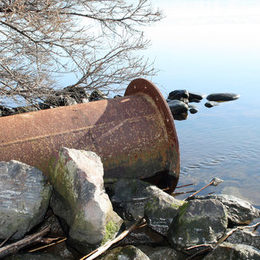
[210,47]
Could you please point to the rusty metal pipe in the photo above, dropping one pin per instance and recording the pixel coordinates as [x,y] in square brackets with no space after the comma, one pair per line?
[134,135]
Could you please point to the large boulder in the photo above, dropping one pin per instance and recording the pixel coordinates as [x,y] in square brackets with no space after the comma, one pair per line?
[228,251]
[24,198]
[80,199]
[199,222]
[239,211]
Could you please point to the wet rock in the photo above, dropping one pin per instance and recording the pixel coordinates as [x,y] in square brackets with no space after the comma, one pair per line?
[238,210]
[194,97]
[199,222]
[178,107]
[24,198]
[97,95]
[222,97]
[162,253]
[193,109]
[179,95]
[211,104]
[80,199]
[227,251]
[245,237]
[138,199]
[125,253]
[161,209]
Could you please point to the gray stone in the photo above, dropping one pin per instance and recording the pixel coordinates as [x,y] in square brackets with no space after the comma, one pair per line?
[24,198]
[139,199]
[228,251]
[210,104]
[125,253]
[239,211]
[161,209]
[162,253]
[80,199]
[178,107]
[222,97]
[178,94]
[199,222]
[245,237]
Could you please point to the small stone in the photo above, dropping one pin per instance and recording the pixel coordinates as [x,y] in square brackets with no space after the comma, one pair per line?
[193,109]
[198,223]
[216,181]
[195,97]
[24,198]
[227,251]
[211,104]
[125,253]
[222,97]
[178,94]
[97,95]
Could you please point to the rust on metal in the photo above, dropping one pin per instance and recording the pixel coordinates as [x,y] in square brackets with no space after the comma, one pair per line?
[134,135]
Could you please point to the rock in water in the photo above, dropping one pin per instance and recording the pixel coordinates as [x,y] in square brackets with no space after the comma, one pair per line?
[177,107]
[182,95]
[199,222]
[222,97]
[80,199]
[211,104]
[24,198]
[228,251]
[194,97]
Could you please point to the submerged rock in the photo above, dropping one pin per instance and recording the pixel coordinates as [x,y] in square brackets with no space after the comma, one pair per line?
[80,199]
[199,222]
[222,97]
[24,198]
[125,253]
[211,104]
[227,251]
[239,211]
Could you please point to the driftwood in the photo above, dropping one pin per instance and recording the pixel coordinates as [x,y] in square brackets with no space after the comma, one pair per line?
[97,252]
[15,247]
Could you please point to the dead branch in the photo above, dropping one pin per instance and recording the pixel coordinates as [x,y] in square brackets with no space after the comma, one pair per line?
[97,252]
[28,240]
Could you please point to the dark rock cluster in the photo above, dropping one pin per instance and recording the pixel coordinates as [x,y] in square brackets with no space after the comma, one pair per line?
[65,97]
[179,102]
[75,203]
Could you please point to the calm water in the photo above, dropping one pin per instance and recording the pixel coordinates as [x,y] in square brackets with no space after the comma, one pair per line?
[208,47]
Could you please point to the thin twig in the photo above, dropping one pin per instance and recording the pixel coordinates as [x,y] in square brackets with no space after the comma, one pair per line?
[15,247]
[97,252]
[7,239]
[183,186]
[195,193]
[49,245]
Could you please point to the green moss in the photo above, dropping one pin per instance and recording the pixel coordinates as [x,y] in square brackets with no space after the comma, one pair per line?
[178,204]
[111,229]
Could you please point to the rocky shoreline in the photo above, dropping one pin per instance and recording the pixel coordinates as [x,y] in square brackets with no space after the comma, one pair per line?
[77,205]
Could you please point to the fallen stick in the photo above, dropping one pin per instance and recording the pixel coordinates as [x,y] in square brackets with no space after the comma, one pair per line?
[215,182]
[97,252]
[2,244]
[15,247]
